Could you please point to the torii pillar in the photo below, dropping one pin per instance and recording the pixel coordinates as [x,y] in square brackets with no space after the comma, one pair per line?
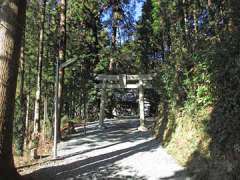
[102,105]
[141,107]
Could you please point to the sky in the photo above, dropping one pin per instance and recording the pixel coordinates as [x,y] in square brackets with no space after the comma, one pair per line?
[138,10]
[137,5]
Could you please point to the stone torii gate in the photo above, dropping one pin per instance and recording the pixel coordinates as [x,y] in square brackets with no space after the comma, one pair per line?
[124,82]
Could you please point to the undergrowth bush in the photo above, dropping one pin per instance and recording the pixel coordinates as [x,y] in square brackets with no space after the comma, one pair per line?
[202,131]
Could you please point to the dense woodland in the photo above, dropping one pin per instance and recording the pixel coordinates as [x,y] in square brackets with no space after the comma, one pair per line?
[191,45]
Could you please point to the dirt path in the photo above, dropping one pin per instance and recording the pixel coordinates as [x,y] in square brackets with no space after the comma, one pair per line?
[118,152]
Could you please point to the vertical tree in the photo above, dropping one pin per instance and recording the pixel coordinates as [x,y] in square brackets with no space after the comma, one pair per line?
[144,36]
[39,69]
[12,15]
[20,121]
[61,57]
[117,14]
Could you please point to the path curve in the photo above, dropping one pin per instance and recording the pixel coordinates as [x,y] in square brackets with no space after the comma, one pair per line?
[118,152]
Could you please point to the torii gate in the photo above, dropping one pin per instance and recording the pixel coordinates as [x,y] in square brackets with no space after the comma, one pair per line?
[124,82]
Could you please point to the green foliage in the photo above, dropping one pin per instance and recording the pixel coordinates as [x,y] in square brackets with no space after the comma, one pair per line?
[102,65]
[199,75]
[64,120]
[18,136]
[34,142]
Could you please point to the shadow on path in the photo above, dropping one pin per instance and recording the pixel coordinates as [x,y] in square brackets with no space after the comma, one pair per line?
[97,167]
[118,152]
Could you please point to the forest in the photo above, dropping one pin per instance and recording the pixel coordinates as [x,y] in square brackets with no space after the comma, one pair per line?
[52,51]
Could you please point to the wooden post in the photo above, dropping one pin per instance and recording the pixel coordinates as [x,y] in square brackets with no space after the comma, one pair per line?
[141,106]
[56,112]
[102,105]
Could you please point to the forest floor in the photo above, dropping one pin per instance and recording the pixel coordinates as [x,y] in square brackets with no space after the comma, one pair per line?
[118,152]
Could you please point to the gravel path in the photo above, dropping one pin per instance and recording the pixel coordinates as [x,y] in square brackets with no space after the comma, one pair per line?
[118,152]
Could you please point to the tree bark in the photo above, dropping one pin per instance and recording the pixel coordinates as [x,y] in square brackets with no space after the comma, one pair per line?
[12,18]
[195,15]
[45,117]
[21,120]
[96,40]
[27,121]
[39,71]
[234,23]
[209,3]
[183,13]
[114,34]
[61,56]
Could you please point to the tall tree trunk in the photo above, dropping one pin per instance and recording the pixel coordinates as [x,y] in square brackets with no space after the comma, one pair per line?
[21,120]
[209,3]
[27,121]
[12,18]
[195,15]
[45,117]
[61,56]
[96,40]
[114,34]
[183,13]
[234,14]
[39,71]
